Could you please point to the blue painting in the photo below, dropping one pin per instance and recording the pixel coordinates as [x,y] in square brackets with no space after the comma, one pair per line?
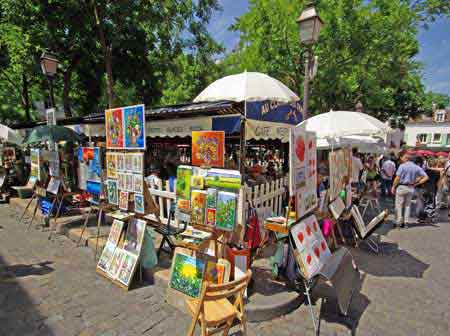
[94,187]
[134,127]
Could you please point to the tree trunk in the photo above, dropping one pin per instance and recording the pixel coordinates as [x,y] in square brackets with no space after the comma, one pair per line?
[26,97]
[68,84]
[107,52]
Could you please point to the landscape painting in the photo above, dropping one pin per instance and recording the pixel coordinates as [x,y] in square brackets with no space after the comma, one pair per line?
[226,211]
[187,274]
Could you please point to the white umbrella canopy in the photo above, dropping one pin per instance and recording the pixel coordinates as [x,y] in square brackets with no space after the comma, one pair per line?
[247,86]
[9,135]
[335,124]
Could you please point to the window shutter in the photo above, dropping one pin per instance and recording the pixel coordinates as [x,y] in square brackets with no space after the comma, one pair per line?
[443,139]
[429,138]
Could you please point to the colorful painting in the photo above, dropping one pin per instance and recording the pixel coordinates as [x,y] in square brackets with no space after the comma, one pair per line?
[128,163]
[311,247]
[106,257]
[111,165]
[215,273]
[211,198]
[134,126]
[303,170]
[138,183]
[135,236]
[139,203]
[113,192]
[198,206]
[123,200]
[197,182]
[93,187]
[127,268]
[222,178]
[114,128]
[116,261]
[208,148]
[183,187]
[210,217]
[137,163]
[120,162]
[53,185]
[116,230]
[187,274]
[339,172]
[226,211]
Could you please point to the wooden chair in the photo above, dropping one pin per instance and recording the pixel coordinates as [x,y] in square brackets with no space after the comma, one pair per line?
[214,311]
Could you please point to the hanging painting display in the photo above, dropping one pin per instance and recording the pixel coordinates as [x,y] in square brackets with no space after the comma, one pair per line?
[303,170]
[208,148]
[187,274]
[134,127]
[114,128]
[311,249]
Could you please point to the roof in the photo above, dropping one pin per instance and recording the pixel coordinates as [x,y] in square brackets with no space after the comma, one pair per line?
[186,110]
[428,123]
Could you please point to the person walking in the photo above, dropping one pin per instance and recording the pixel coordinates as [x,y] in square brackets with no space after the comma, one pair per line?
[408,177]
[357,166]
[387,174]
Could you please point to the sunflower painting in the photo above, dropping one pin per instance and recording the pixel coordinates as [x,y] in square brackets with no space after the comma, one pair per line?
[187,274]
[208,148]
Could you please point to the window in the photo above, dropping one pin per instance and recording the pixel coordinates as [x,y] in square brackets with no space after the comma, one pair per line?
[422,138]
[436,138]
[440,117]
[448,140]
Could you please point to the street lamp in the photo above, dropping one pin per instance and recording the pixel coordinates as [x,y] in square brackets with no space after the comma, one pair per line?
[49,66]
[310,24]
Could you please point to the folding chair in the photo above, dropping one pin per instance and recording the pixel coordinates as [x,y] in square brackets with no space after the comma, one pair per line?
[214,312]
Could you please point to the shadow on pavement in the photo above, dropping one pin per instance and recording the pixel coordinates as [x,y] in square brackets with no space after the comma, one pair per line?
[390,262]
[21,270]
[18,313]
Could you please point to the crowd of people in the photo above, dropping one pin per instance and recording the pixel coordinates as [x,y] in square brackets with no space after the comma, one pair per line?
[404,177]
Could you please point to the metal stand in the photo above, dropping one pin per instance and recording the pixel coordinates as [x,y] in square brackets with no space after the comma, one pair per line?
[26,208]
[308,286]
[372,245]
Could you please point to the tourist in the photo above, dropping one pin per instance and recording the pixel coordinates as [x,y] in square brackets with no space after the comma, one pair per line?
[357,167]
[372,175]
[387,174]
[442,185]
[408,177]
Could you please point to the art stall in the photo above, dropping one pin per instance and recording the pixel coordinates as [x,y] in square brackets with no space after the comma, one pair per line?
[7,171]
[127,197]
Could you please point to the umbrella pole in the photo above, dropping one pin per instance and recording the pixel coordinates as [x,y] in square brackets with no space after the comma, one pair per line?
[243,152]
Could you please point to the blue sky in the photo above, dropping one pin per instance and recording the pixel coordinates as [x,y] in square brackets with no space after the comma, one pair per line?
[434,43]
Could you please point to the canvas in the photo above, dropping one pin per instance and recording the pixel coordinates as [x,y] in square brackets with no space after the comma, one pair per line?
[121,162]
[226,211]
[138,183]
[114,128]
[134,126]
[113,192]
[127,269]
[312,251]
[116,230]
[93,187]
[135,236]
[215,273]
[123,200]
[111,165]
[211,217]
[115,263]
[211,198]
[222,178]
[183,186]
[106,257]
[187,274]
[137,165]
[121,181]
[208,148]
[340,166]
[198,204]
[337,207]
[139,203]
[53,185]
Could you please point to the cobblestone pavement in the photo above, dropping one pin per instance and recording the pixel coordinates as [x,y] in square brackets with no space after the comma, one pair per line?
[51,288]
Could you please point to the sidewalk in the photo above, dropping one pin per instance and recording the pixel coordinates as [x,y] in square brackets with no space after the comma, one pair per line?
[51,288]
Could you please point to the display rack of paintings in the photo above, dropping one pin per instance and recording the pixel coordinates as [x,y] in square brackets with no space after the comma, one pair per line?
[122,252]
[303,170]
[311,249]
[208,148]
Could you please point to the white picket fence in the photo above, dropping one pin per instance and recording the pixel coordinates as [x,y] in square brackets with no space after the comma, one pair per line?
[267,196]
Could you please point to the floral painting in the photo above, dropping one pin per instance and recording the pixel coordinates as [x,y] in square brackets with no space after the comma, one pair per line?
[226,211]
[187,274]
[134,124]
[114,128]
[208,148]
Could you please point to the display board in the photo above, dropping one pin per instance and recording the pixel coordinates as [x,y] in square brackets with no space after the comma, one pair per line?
[121,253]
[340,171]
[125,127]
[208,148]
[311,249]
[208,197]
[303,170]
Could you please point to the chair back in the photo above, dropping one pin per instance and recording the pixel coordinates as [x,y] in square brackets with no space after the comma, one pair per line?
[212,292]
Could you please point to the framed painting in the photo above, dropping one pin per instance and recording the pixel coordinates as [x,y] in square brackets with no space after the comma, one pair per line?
[127,268]
[53,185]
[138,183]
[121,162]
[208,148]
[139,203]
[116,230]
[137,163]
[187,274]
[198,207]
[94,187]
[128,163]
[129,182]
[111,165]
[134,127]
[106,257]
[116,261]
[123,200]
[135,236]
[226,211]
[183,186]
[113,192]
[114,128]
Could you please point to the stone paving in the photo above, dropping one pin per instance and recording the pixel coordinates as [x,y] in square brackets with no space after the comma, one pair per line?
[51,288]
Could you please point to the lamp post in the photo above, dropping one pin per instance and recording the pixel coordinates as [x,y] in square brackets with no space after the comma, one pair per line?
[310,24]
[49,66]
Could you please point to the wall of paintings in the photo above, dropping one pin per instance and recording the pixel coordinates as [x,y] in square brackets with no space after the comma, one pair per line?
[303,170]
[122,251]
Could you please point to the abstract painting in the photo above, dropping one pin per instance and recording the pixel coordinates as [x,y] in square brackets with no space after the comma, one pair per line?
[187,274]
[94,187]
[114,128]
[123,200]
[226,211]
[215,273]
[139,203]
[113,192]
[208,148]
[127,268]
[134,126]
